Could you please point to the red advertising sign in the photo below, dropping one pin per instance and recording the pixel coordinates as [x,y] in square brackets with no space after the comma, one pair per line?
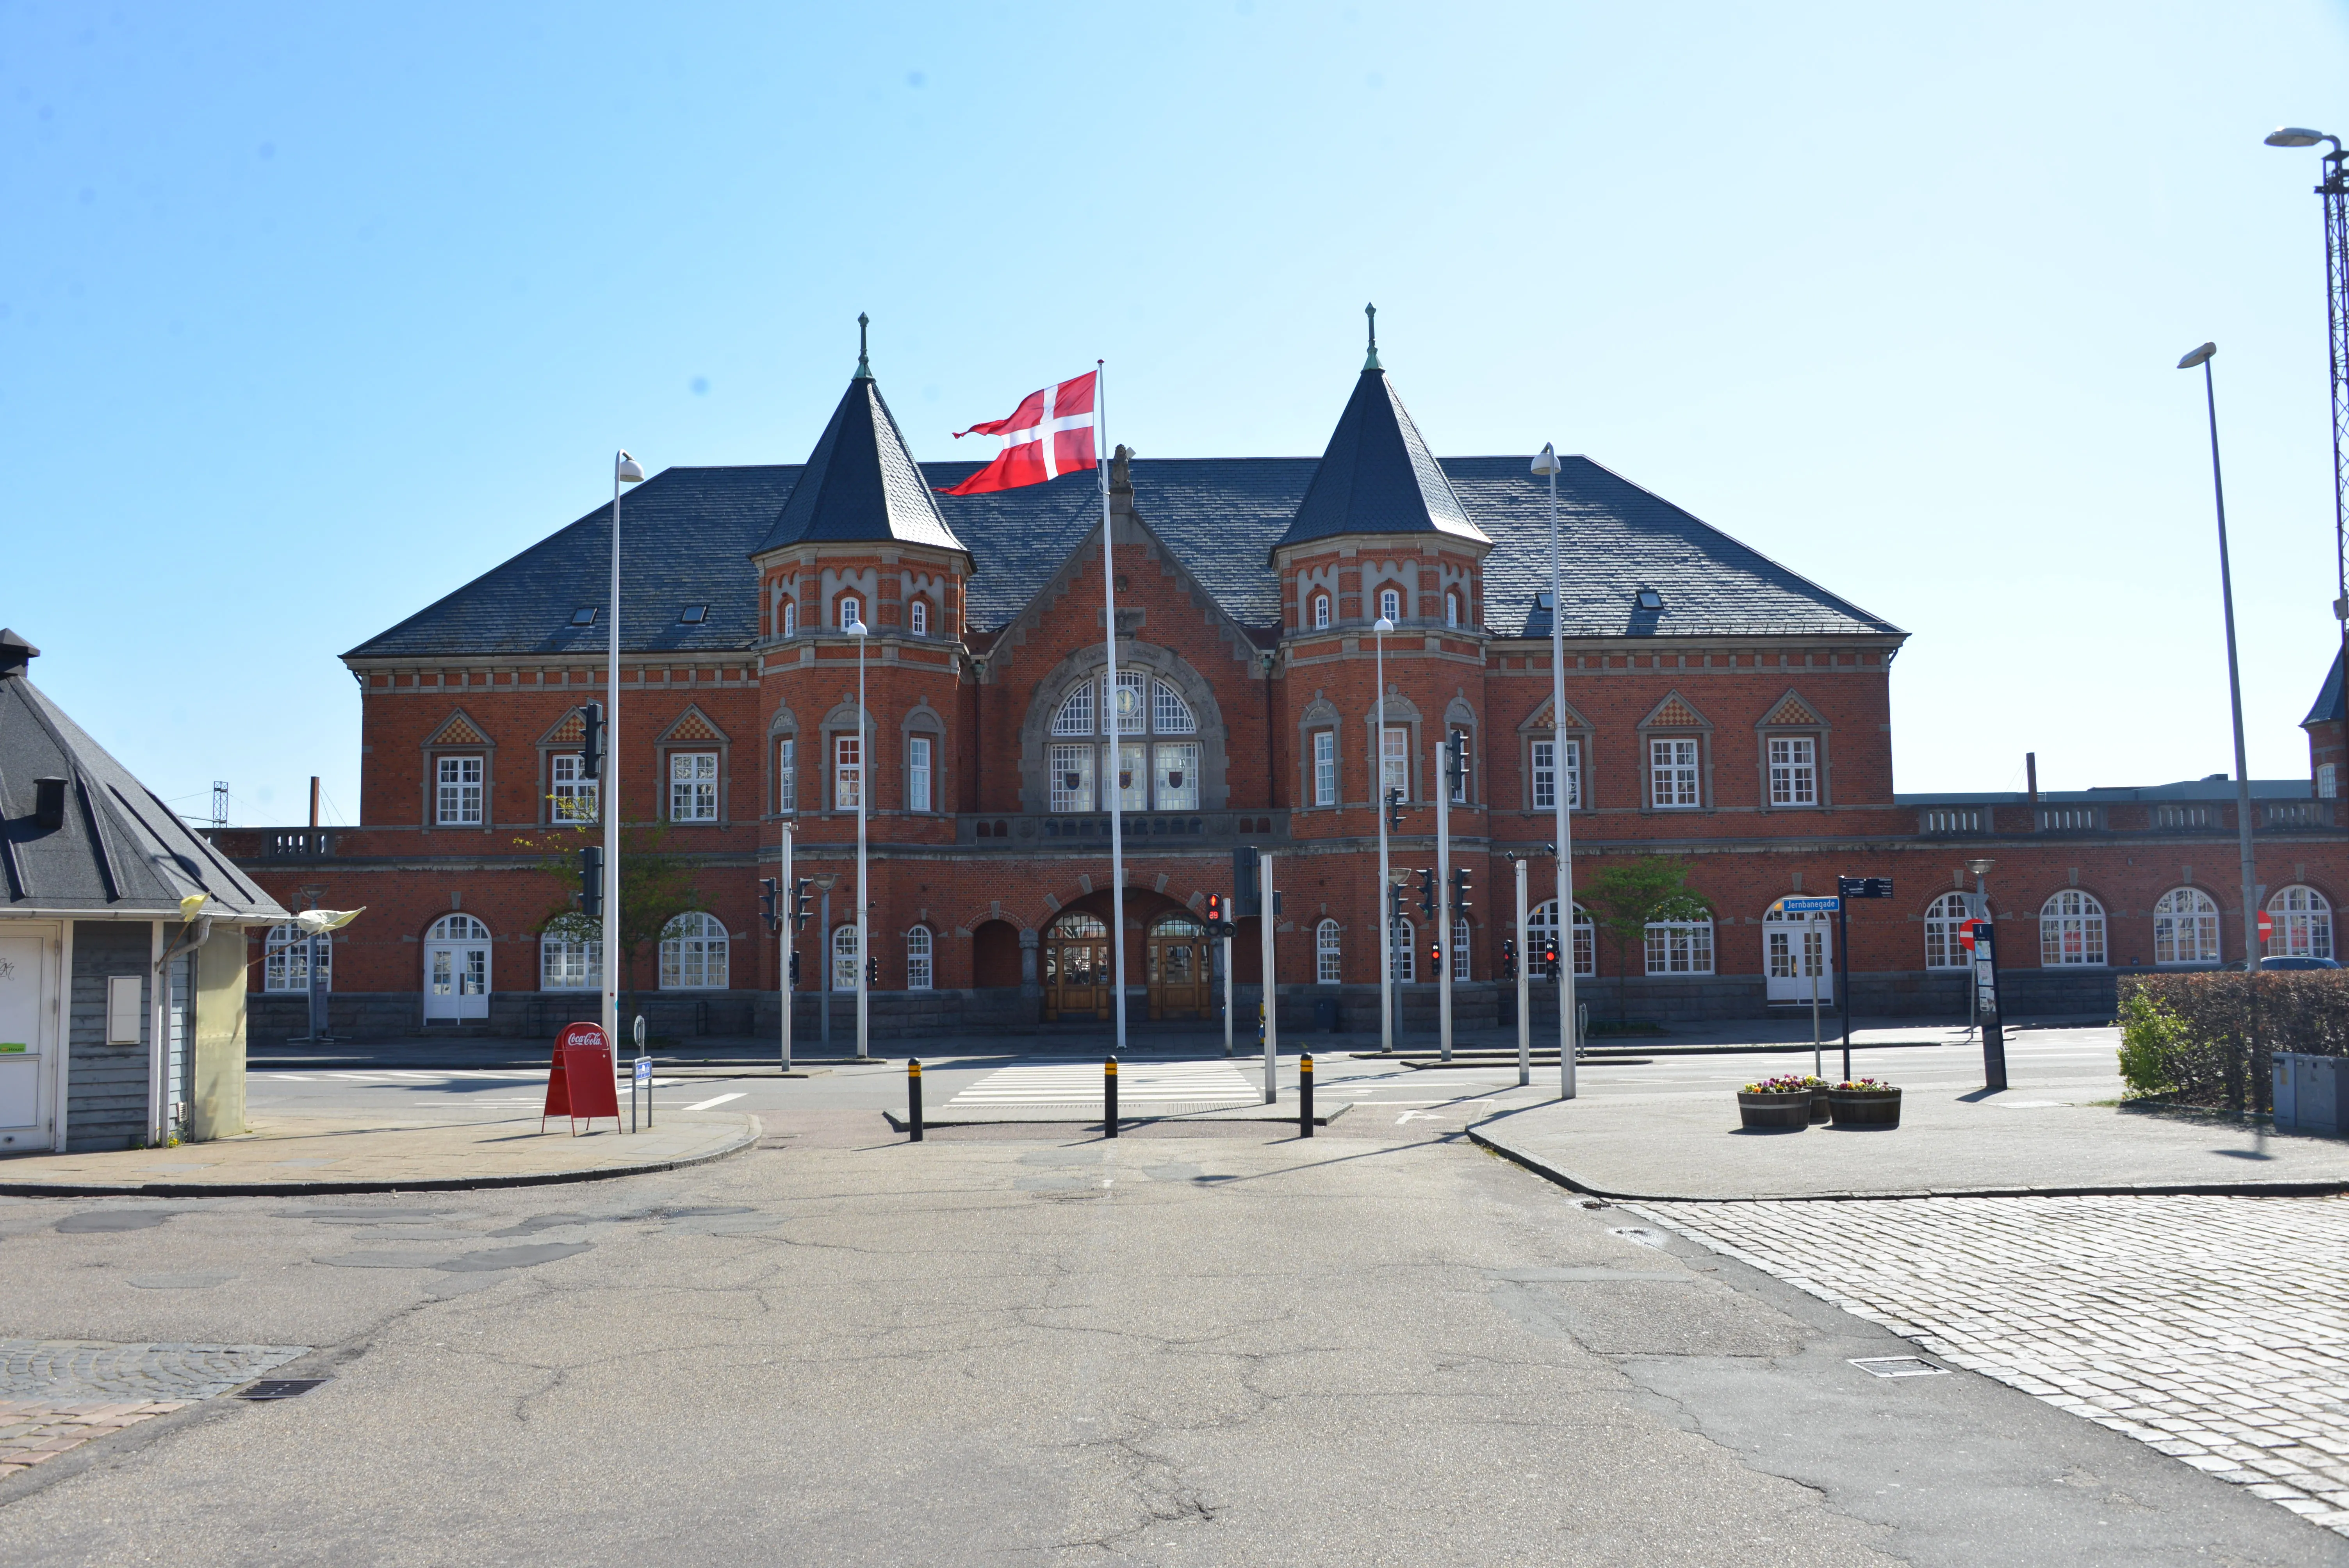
[579,1084]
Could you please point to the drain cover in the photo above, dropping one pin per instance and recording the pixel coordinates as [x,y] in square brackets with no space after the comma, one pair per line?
[280,1387]
[1898,1366]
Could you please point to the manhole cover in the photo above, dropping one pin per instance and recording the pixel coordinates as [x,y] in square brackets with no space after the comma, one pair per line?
[280,1387]
[1898,1366]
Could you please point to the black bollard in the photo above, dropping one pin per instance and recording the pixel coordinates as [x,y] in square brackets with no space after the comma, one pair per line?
[1305,1095]
[1109,1098]
[913,1100]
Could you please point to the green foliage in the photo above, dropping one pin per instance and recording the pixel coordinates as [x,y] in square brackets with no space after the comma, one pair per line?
[2208,1037]
[656,885]
[2155,1042]
[1623,896]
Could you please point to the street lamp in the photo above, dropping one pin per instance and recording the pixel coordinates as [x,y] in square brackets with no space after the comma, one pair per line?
[863,884]
[1378,630]
[2201,356]
[626,471]
[1546,466]
[2334,192]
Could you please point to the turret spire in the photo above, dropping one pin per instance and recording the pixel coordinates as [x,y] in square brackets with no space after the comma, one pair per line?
[1372,311]
[864,364]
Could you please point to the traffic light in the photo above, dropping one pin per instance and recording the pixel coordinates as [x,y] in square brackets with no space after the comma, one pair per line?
[1215,911]
[1394,810]
[1456,764]
[1549,957]
[591,740]
[1508,958]
[768,910]
[591,881]
[802,902]
[1460,904]
[795,971]
[872,972]
[1434,956]
[1427,893]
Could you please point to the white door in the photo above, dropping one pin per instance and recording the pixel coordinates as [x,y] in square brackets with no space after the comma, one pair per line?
[1795,950]
[27,1041]
[457,969]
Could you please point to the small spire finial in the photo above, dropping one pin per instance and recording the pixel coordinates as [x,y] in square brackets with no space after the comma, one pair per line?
[1372,311]
[864,364]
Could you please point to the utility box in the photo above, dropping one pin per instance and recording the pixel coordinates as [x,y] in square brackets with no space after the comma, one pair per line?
[2312,1094]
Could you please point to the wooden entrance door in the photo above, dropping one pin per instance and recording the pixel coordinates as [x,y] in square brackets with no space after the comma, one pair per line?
[1181,975]
[1078,974]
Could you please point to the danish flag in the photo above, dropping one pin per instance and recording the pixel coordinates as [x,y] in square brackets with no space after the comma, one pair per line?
[1050,434]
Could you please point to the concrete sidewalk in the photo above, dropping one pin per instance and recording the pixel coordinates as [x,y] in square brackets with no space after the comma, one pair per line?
[2052,1138]
[317,1154]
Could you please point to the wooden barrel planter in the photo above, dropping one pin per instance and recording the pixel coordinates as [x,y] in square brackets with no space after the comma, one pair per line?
[1787,1112]
[1865,1107]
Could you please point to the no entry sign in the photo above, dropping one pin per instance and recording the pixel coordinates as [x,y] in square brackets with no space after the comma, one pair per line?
[579,1082]
[2267,926]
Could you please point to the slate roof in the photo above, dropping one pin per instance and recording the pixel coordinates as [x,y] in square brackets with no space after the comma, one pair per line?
[121,851]
[686,533]
[1377,474]
[2326,709]
[860,482]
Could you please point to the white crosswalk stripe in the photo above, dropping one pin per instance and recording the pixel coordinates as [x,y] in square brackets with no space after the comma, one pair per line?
[1153,1085]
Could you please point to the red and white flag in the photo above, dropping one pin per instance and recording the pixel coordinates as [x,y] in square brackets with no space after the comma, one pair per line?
[1050,434]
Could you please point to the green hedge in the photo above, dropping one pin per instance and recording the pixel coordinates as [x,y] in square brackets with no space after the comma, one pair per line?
[2205,1039]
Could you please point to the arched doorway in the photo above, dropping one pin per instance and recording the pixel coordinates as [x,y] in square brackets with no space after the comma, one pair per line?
[1798,953]
[1078,974]
[457,969]
[1179,972]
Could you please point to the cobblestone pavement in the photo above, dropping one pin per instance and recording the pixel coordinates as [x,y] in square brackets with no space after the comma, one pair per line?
[32,1431]
[58,1394]
[2214,1329]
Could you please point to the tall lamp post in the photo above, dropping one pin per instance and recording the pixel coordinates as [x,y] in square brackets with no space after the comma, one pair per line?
[864,883]
[1378,630]
[2201,356]
[2334,192]
[626,471]
[1546,466]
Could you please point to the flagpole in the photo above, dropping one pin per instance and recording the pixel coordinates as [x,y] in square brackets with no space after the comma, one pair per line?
[1116,731]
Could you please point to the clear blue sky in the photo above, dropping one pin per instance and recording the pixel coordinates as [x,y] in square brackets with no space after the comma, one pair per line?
[310,314]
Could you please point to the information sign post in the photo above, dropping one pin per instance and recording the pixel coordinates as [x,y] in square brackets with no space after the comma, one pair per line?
[1986,1007]
[1851,888]
[1815,908]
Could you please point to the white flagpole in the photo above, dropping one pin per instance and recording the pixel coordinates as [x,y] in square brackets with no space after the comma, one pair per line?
[1110,714]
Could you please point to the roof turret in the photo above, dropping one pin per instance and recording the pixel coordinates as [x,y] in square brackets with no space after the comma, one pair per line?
[860,482]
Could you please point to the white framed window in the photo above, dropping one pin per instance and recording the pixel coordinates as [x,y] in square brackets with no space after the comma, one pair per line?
[787,775]
[1132,718]
[1178,775]
[1390,605]
[1793,770]
[847,771]
[1325,767]
[2071,929]
[1073,778]
[790,618]
[844,957]
[1459,787]
[1451,609]
[918,958]
[1320,612]
[2185,927]
[1944,919]
[2328,786]
[693,954]
[459,800]
[1545,774]
[1671,774]
[917,617]
[693,786]
[1681,946]
[1460,940]
[852,612]
[565,963]
[1327,969]
[2302,918]
[287,965]
[1169,713]
[1394,762]
[918,772]
[1076,714]
[573,795]
[1133,776]
[1541,924]
[1405,937]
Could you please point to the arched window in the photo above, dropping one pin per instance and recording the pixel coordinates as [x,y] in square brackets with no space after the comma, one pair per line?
[693,954]
[2303,920]
[289,951]
[1407,944]
[917,959]
[1680,939]
[844,957]
[2185,927]
[1943,918]
[1321,611]
[790,618]
[917,617]
[1327,970]
[852,612]
[458,928]
[1169,713]
[1451,609]
[569,962]
[2071,929]
[1390,605]
[1541,924]
[1152,770]
[1460,944]
[1076,715]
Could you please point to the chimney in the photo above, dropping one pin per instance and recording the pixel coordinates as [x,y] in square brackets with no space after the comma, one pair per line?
[2031,775]
[314,799]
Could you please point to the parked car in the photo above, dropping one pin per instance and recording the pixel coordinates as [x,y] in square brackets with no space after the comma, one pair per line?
[2268,965]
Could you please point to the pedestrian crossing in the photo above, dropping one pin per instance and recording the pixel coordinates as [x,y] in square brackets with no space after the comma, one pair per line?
[1153,1088]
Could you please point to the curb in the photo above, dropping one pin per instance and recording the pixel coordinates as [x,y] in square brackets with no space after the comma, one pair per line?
[1574,1183]
[897,1122]
[748,1138]
[1485,1056]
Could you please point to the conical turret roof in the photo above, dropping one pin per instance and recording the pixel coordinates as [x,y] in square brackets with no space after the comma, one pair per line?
[1377,474]
[860,482]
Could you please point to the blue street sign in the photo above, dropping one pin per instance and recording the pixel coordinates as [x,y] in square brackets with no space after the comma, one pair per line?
[644,1065]
[1810,905]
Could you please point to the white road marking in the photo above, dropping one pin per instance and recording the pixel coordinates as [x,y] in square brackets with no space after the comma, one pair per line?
[1155,1086]
[720,1099]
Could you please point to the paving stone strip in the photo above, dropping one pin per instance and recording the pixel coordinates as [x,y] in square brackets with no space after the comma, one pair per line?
[2214,1329]
[58,1393]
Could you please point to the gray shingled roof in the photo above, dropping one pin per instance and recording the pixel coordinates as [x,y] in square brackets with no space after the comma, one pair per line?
[120,850]
[1377,474]
[860,482]
[2326,709]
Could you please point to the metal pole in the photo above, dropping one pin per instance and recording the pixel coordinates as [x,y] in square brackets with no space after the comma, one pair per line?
[1443,898]
[913,1099]
[1305,1095]
[824,976]
[1378,796]
[1109,1098]
[1566,1031]
[1525,983]
[608,789]
[864,731]
[1843,959]
[1112,724]
[1271,992]
[783,946]
[1811,962]
[2234,690]
[1227,995]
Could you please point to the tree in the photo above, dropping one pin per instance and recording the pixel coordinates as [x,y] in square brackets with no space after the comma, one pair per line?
[1624,895]
[655,886]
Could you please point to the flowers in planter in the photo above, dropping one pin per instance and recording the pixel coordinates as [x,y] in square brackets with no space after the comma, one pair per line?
[1784,1083]
[1864,1086]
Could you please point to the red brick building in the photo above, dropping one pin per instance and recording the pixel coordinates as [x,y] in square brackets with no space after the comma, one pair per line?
[1720,709]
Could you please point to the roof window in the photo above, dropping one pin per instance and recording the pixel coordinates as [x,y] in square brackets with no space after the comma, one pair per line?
[1651,600]
[583,616]
[1541,599]
[693,615]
